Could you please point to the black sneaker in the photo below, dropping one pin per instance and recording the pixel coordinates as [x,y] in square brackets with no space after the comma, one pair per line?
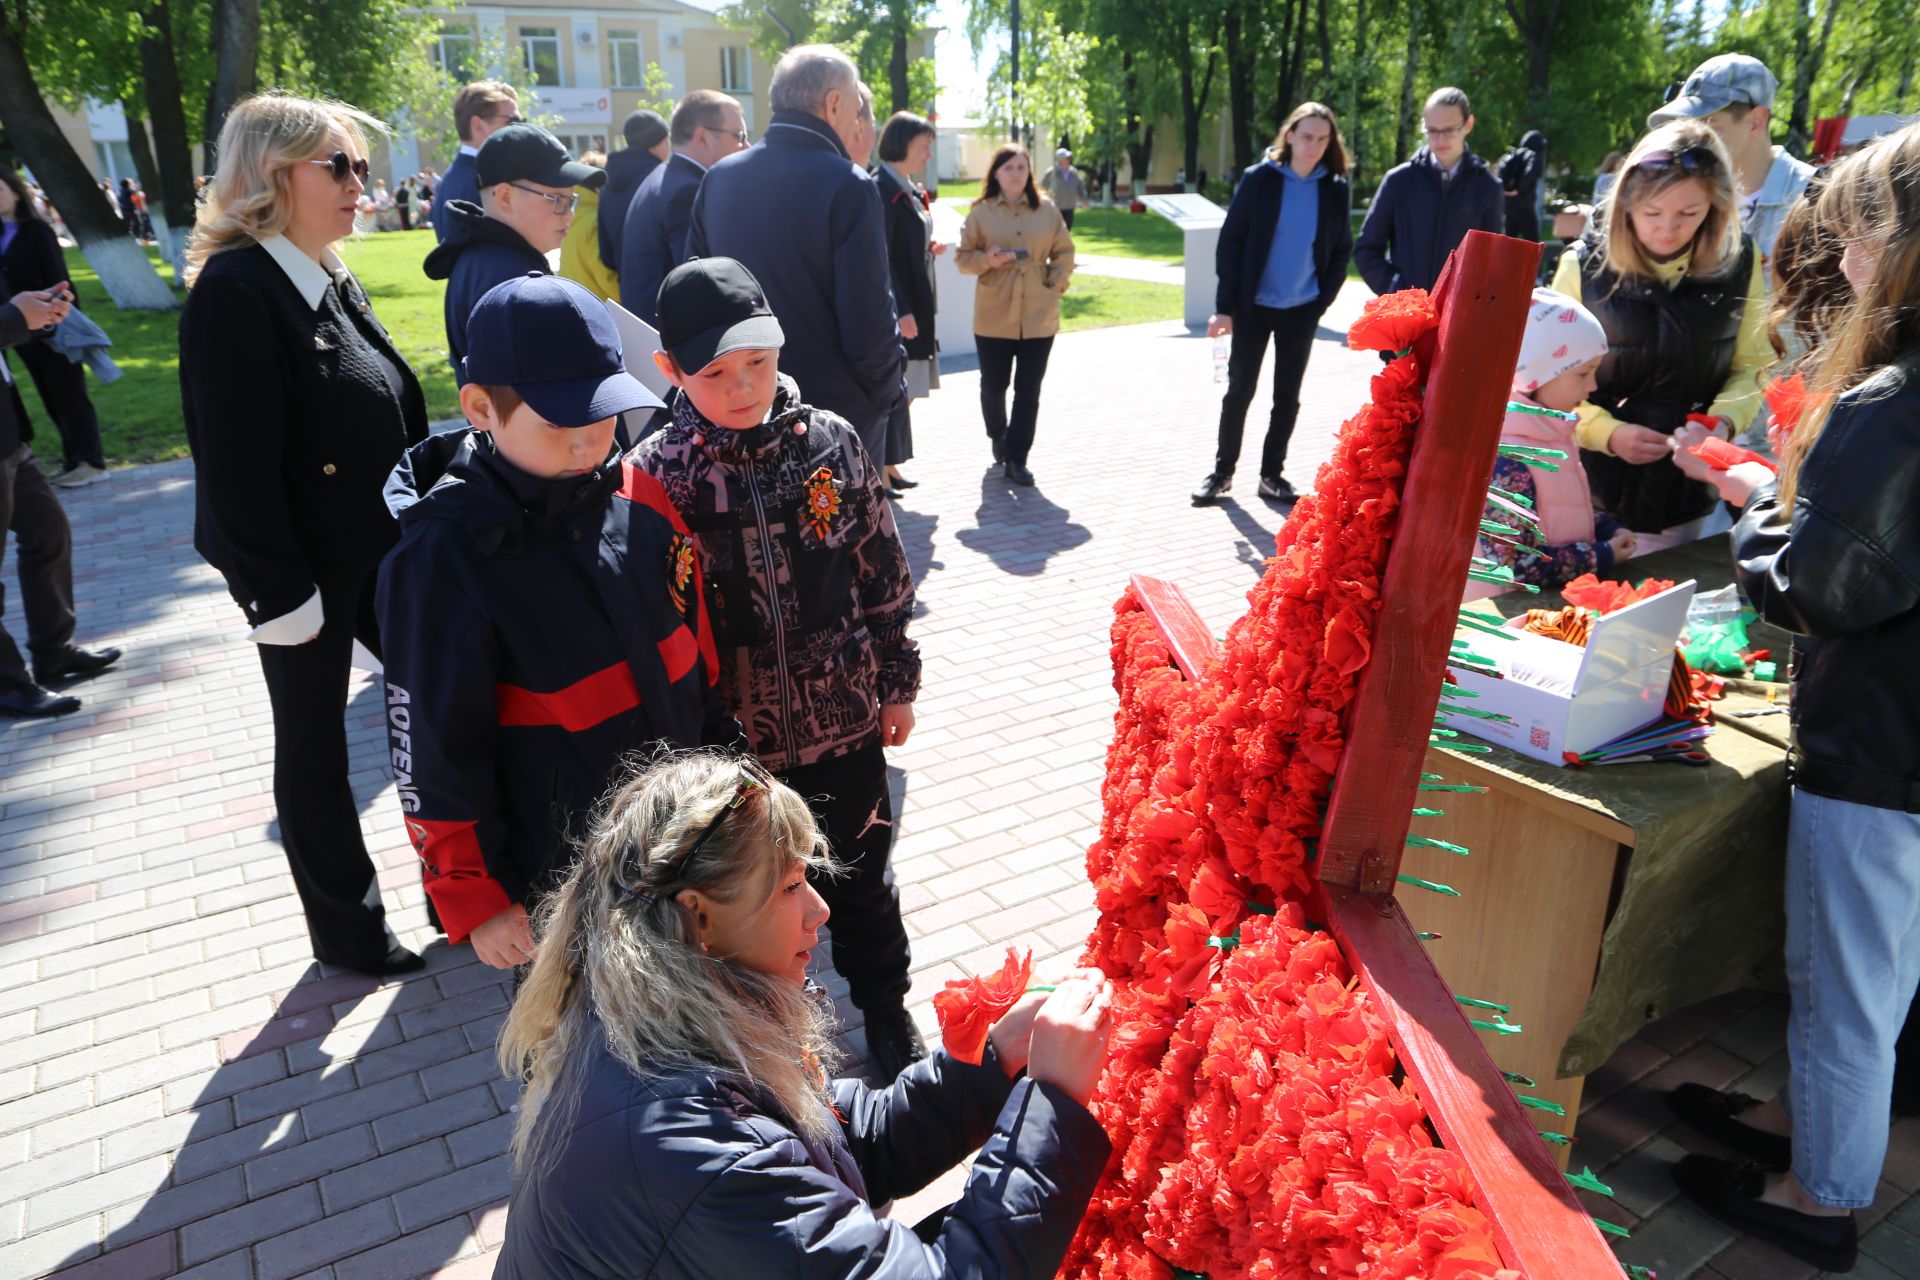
[1731,1192]
[1211,488]
[1277,488]
[1019,474]
[893,1043]
[1716,1114]
[999,448]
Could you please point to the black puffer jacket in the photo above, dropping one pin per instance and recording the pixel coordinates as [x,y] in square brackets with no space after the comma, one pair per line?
[1668,354]
[1843,569]
[692,1177]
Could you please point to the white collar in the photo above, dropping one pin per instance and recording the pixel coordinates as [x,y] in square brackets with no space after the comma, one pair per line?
[311,278]
[690,160]
[466,150]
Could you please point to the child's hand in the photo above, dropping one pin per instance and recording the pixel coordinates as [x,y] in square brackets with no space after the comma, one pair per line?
[1012,1036]
[896,722]
[505,940]
[1633,443]
[1070,1037]
[1622,544]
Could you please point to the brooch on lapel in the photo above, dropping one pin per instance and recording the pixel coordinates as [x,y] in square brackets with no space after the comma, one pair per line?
[680,566]
[823,501]
[320,342]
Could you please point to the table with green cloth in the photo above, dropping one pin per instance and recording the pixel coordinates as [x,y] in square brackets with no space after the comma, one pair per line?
[1607,898]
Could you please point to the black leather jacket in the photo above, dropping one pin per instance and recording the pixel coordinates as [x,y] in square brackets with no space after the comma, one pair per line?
[1843,569]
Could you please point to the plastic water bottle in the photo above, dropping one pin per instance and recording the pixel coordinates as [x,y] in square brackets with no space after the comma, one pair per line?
[1221,350]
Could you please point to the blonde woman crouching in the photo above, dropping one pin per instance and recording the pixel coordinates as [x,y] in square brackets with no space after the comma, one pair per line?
[678,1118]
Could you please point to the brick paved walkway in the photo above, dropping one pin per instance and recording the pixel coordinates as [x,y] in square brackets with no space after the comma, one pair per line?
[183,1092]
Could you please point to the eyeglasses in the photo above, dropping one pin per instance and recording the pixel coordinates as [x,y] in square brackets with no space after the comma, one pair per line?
[562,202]
[342,165]
[513,117]
[1691,160]
[750,781]
[738,135]
[1443,133]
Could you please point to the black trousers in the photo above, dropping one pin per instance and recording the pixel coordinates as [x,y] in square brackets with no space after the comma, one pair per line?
[62,385]
[1066,216]
[849,798]
[319,823]
[406,216]
[1024,362]
[1291,331]
[31,511]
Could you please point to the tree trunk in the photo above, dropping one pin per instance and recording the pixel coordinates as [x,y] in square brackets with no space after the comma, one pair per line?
[1354,148]
[1408,76]
[1139,141]
[149,175]
[1193,98]
[1326,43]
[900,13]
[1535,21]
[1293,23]
[173,154]
[1807,59]
[236,50]
[122,264]
[1239,94]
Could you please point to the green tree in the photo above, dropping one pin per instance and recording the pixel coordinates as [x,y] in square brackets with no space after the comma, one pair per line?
[877,34]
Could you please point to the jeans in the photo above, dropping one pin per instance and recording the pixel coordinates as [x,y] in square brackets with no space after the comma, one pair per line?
[998,358]
[1291,330]
[1853,963]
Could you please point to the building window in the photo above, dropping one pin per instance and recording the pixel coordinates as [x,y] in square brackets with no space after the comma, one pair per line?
[629,70]
[453,52]
[540,48]
[733,70]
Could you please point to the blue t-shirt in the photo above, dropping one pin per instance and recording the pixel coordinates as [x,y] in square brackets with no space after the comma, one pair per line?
[1289,279]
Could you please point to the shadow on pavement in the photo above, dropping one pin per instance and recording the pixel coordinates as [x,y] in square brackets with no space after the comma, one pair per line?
[1018,527]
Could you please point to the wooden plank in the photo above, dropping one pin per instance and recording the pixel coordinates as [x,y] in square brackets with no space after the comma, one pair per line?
[1180,624]
[1538,1223]
[1483,298]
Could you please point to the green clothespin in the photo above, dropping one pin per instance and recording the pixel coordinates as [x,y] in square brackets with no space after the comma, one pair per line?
[1532,451]
[1429,813]
[1448,692]
[1467,748]
[1498,1025]
[1540,411]
[1429,885]
[1451,786]
[1497,717]
[1227,943]
[1260,908]
[1494,1005]
[1428,937]
[1475,575]
[1514,1077]
[1557,1139]
[1440,731]
[1478,624]
[1613,1229]
[1428,842]
[1541,1104]
[1641,1273]
[1587,1182]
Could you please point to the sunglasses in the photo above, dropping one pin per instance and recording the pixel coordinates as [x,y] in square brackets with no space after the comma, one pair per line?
[342,165]
[1690,160]
[750,782]
[565,202]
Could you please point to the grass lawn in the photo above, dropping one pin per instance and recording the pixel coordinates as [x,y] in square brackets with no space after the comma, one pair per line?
[140,414]
[1132,235]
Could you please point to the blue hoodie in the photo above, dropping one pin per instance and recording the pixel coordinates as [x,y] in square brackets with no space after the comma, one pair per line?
[1289,279]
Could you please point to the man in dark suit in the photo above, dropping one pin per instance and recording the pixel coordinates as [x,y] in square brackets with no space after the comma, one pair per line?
[808,224]
[31,511]
[707,128]
[480,110]
[1425,207]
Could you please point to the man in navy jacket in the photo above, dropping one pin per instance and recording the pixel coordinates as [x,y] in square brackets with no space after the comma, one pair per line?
[808,223]
[1425,207]
[480,110]
[708,126]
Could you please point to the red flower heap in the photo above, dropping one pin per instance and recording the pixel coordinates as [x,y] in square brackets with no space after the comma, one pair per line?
[1250,1093]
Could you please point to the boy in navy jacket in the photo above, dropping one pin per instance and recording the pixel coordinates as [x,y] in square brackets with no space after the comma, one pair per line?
[542,614]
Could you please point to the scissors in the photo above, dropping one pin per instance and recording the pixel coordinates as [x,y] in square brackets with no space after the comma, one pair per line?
[1670,753]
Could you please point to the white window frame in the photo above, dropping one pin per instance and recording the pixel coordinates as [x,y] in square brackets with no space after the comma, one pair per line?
[618,43]
[462,67]
[730,55]
[531,38]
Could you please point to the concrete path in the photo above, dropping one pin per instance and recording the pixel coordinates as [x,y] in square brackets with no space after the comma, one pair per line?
[184,1093]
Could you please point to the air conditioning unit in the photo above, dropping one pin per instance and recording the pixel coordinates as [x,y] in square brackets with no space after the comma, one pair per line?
[673,39]
[585,37]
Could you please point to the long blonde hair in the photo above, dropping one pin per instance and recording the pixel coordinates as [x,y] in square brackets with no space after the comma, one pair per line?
[1716,245]
[1872,195]
[251,195]
[617,950]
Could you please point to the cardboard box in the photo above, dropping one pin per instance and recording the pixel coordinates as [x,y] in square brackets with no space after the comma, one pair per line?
[1563,697]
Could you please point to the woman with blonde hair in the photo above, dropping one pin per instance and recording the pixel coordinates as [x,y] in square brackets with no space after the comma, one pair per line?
[1830,550]
[678,1119]
[1681,293]
[297,407]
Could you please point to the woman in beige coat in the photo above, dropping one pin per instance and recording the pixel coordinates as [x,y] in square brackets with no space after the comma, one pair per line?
[1018,244]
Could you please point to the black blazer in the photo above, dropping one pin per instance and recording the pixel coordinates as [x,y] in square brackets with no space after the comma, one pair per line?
[33,260]
[294,428]
[910,260]
[1246,238]
[15,428]
[654,240]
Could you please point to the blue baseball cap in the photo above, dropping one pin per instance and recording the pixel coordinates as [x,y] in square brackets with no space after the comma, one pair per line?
[553,342]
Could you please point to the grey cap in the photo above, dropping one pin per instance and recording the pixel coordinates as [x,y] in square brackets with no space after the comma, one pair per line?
[1730,79]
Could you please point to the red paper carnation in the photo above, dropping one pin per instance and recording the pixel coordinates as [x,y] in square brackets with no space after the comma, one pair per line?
[1393,322]
[1590,592]
[1721,456]
[1787,400]
[969,1007]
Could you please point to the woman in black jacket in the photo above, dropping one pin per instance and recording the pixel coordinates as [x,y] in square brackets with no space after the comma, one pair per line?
[677,1118]
[1831,551]
[297,407]
[30,255]
[1281,259]
[906,145]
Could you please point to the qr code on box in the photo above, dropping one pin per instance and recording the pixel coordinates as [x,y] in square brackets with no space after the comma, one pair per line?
[1538,738]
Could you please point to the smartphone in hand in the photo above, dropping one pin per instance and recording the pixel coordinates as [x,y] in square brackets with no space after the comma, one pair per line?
[1019,255]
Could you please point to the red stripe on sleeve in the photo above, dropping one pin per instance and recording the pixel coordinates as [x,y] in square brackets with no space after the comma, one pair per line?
[638,486]
[581,705]
[679,651]
[463,894]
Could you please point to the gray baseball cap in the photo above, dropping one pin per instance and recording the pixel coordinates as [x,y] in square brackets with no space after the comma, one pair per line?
[1718,83]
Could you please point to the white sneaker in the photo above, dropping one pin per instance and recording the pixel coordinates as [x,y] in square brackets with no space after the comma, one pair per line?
[80,475]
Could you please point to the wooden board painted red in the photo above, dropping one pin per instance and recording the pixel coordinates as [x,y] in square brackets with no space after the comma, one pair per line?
[1482,298]
[1185,632]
